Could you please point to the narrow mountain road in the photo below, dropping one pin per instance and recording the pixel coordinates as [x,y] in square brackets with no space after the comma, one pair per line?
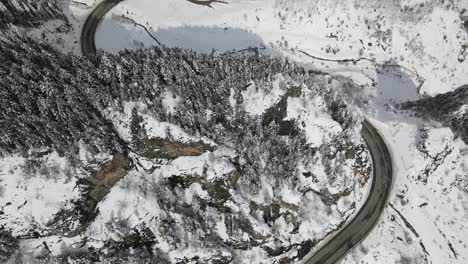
[88,42]
[367,217]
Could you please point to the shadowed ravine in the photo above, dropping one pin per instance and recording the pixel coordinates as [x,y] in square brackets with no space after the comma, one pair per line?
[339,243]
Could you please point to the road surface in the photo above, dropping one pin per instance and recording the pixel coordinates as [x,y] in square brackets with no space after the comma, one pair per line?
[367,217]
[88,43]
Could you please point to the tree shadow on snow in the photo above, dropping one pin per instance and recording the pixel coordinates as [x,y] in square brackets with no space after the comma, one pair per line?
[393,84]
[129,35]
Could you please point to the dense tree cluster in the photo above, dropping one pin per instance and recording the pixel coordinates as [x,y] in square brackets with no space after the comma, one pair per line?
[450,108]
[29,12]
[8,244]
[61,102]
[44,101]
[52,99]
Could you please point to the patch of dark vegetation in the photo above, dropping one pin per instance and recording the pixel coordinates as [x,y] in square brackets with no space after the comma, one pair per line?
[302,249]
[464,18]
[8,245]
[276,114]
[30,13]
[61,102]
[328,198]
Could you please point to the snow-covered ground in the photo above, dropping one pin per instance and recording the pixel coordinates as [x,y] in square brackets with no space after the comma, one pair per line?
[427,37]
[33,190]
[65,35]
[284,209]
[429,194]
[423,44]
[424,220]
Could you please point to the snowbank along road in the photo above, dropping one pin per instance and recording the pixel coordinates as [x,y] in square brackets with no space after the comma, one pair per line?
[367,216]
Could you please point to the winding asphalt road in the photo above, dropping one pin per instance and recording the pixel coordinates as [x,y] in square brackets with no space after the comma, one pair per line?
[88,42]
[367,217]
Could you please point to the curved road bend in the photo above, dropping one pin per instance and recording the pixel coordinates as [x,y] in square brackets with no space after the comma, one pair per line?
[367,217]
[88,43]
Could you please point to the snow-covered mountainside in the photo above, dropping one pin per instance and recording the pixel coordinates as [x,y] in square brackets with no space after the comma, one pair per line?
[427,37]
[236,140]
[450,108]
[245,158]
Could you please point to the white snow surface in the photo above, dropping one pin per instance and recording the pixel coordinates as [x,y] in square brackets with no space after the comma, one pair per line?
[153,127]
[423,36]
[28,199]
[257,100]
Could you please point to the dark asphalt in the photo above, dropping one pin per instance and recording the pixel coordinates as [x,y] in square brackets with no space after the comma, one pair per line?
[367,217]
[88,43]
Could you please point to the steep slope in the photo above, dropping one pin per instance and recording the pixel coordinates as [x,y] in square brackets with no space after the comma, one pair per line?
[254,138]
